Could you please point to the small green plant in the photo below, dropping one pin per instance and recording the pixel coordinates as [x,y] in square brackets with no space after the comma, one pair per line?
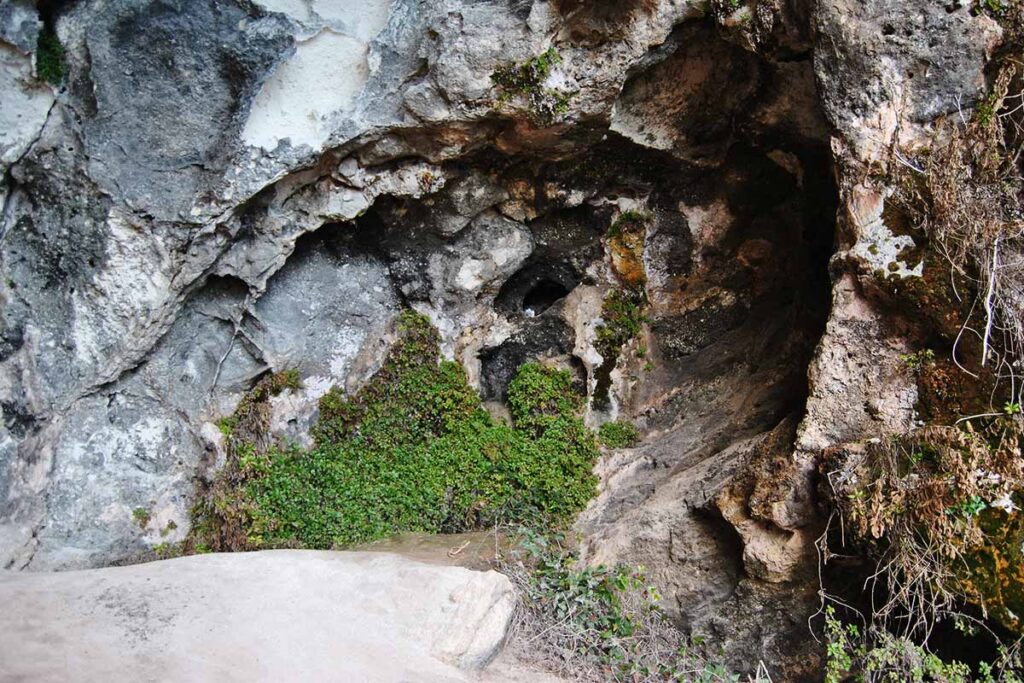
[167,551]
[623,318]
[838,648]
[526,79]
[995,7]
[618,434]
[599,622]
[141,516]
[1011,408]
[877,655]
[225,425]
[916,361]
[50,65]
[971,507]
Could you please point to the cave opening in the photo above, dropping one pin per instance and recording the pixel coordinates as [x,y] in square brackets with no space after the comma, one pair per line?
[543,296]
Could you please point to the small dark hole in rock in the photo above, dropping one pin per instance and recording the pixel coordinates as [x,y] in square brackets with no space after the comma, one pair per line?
[541,297]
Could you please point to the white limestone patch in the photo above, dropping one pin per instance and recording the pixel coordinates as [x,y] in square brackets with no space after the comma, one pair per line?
[359,20]
[299,100]
[124,298]
[363,20]
[876,245]
[321,81]
[300,10]
[470,277]
[23,105]
[347,343]
[114,455]
[647,132]
[490,250]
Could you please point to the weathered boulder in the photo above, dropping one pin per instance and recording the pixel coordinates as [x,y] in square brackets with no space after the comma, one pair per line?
[273,615]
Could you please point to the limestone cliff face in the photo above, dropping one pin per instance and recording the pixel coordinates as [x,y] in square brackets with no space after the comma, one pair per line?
[218,189]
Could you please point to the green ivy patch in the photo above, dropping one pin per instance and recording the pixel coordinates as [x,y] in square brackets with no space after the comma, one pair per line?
[618,434]
[414,450]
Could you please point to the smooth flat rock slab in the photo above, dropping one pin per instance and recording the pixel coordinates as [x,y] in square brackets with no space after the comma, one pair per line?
[281,615]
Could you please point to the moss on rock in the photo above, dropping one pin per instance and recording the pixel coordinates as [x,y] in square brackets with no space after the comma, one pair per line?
[626,244]
[526,79]
[50,62]
[995,570]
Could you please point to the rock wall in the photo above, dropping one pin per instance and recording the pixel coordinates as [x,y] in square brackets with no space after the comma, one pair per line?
[221,189]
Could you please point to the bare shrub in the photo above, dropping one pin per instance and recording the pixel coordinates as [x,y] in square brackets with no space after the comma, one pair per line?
[915,502]
[965,193]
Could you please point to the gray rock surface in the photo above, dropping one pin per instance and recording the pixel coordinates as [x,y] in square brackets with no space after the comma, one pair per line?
[268,616]
[882,61]
[222,189]
[186,153]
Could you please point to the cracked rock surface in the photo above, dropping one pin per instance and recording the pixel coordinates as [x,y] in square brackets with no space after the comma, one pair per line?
[220,189]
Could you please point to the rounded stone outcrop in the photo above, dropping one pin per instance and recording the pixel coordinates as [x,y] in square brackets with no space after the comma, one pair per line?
[274,616]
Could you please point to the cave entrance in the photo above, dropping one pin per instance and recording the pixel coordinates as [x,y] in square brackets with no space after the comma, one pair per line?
[543,296]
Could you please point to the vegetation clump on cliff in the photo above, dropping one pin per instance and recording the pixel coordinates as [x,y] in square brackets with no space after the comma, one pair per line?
[934,506]
[413,450]
[50,62]
[601,623]
[526,79]
[937,510]
[963,195]
[618,434]
[626,239]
